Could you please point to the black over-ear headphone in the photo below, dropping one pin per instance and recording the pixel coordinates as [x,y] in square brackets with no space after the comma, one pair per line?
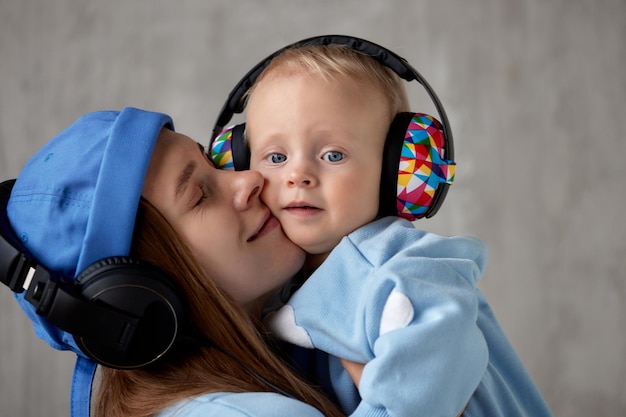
[418,158]
[123,313]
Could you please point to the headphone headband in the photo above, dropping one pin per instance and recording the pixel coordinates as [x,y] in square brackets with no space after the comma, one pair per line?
[234,104]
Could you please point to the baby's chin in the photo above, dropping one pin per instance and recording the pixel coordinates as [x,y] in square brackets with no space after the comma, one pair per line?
[313,261]
[317,250]
[317,254]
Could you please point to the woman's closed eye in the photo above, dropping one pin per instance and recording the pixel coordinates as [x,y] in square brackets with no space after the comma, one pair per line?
[201,200]
[200,196]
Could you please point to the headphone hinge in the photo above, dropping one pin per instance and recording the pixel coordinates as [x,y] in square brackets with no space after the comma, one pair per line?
[41,289]
[20,275]
[16,271]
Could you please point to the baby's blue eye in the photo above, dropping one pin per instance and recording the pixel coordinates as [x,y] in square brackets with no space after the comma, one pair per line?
[333,156]
[277,158]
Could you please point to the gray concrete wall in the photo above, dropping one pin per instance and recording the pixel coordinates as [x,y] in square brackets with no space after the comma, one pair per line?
[536,94]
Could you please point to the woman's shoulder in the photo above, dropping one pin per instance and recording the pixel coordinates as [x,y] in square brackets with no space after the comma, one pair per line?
[245,404]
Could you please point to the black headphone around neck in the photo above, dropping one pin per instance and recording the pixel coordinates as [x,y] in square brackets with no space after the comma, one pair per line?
[418,158]
[123,313]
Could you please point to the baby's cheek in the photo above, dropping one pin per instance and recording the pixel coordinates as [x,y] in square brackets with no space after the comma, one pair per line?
[269,196]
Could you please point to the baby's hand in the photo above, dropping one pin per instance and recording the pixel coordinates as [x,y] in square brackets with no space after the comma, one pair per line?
[354,369]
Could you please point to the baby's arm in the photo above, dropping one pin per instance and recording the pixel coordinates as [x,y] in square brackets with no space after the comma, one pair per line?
[355,370]
[403,302]
[428,353]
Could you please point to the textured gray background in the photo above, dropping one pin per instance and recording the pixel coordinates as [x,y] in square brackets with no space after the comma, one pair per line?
[536,94]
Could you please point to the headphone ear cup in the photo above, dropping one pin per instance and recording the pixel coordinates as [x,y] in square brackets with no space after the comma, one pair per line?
[229,151]
[415,177]
[139,290]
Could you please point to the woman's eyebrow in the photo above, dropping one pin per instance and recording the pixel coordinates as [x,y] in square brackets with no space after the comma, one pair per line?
[184,178]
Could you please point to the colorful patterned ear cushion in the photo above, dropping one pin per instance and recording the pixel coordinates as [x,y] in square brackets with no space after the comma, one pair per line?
[421,167]
[221,151]
[229,149]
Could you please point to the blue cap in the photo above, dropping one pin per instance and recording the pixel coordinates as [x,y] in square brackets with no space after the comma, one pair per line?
[76,200]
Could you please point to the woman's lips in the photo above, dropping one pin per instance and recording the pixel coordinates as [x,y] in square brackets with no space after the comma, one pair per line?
[268,225]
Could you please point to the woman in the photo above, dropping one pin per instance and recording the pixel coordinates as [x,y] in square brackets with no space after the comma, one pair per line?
[204,228]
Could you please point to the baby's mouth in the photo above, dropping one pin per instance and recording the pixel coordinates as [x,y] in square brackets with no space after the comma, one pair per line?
[302,209]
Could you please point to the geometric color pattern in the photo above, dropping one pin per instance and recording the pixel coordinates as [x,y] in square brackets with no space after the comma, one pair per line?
[222,151]
[421,168]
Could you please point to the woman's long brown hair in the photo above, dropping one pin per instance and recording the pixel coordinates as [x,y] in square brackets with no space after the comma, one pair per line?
[146,391]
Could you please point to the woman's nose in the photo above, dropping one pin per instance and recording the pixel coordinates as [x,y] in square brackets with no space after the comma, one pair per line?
[246,186]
